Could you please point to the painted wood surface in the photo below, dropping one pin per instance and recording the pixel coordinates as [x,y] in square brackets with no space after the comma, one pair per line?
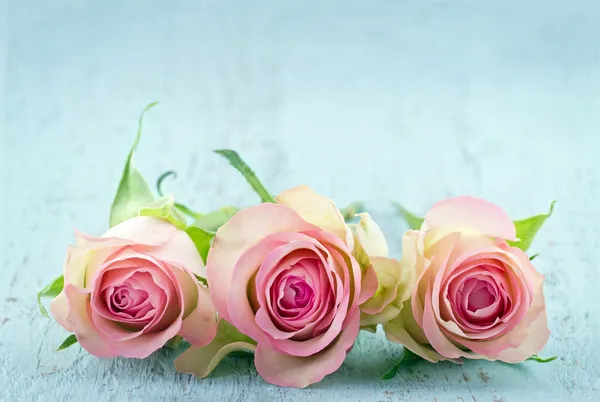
[377,101]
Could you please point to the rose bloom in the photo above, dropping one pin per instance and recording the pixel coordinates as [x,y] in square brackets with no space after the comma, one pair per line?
[475,296]
[285,275]
[130,291]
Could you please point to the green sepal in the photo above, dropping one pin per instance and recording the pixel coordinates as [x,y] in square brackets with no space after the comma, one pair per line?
[201,279]
[532,257]
[164,208]
[201,239]
[407,358]
[71,340]
[174,342]
[205,228]
[212,221]
[133,191]
[413,221]
[236,161]
[527,229]
[536,358]
[51,290]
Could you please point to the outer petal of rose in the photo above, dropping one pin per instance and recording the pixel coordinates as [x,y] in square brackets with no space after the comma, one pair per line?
[371,237]
[75,266]
[81,323]
[189,289]
[434,334]
[395,331]
[425,281]
[535,342]
[59,307]
[180,250]
[146,344]
[199,328]
[237,235]
[476,213]
[388,272]
[143,230]
[84,261]
[201,361]
[292,371]
[318,210]
[368,285]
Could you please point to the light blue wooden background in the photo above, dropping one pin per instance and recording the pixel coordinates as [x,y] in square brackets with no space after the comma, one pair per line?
[399,100]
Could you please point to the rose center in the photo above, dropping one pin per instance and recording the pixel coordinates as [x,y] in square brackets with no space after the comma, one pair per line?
[481,296]
[129,301]
[296,294]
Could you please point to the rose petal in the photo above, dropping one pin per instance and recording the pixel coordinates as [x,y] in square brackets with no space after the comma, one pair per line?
[428,277]
[371,237]
[291,371]
[434,334]
[538,335]
[59,308]
[318,210]
[388,274]
[200,326]
[201,361]
[398,331]
[141,230]
[470,212]
[81,324]
[181,251]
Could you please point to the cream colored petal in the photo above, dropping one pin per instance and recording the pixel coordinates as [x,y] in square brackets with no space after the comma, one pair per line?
[371,237]
[59,307]
[388,273]
[396,331]
[143,230]
[318,210]
[201,361]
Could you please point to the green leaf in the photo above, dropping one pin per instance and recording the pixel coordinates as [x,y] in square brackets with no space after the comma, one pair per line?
[51,290]
[237,162]
[531,258]
[528,228]
[407,358]
[414,222]
[201,279]
[174,342]
[204,229]
[164,208]
[71,340]
[211,222]
[181,207]
[538,359]
[133,191]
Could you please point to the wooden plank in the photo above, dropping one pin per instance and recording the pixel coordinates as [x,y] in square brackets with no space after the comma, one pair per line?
[407,101]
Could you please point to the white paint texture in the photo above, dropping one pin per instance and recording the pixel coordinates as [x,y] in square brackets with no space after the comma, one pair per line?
[406,100]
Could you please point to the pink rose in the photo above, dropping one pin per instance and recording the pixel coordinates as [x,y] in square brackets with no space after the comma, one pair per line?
[475,296]
[130,291]
[285,275]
